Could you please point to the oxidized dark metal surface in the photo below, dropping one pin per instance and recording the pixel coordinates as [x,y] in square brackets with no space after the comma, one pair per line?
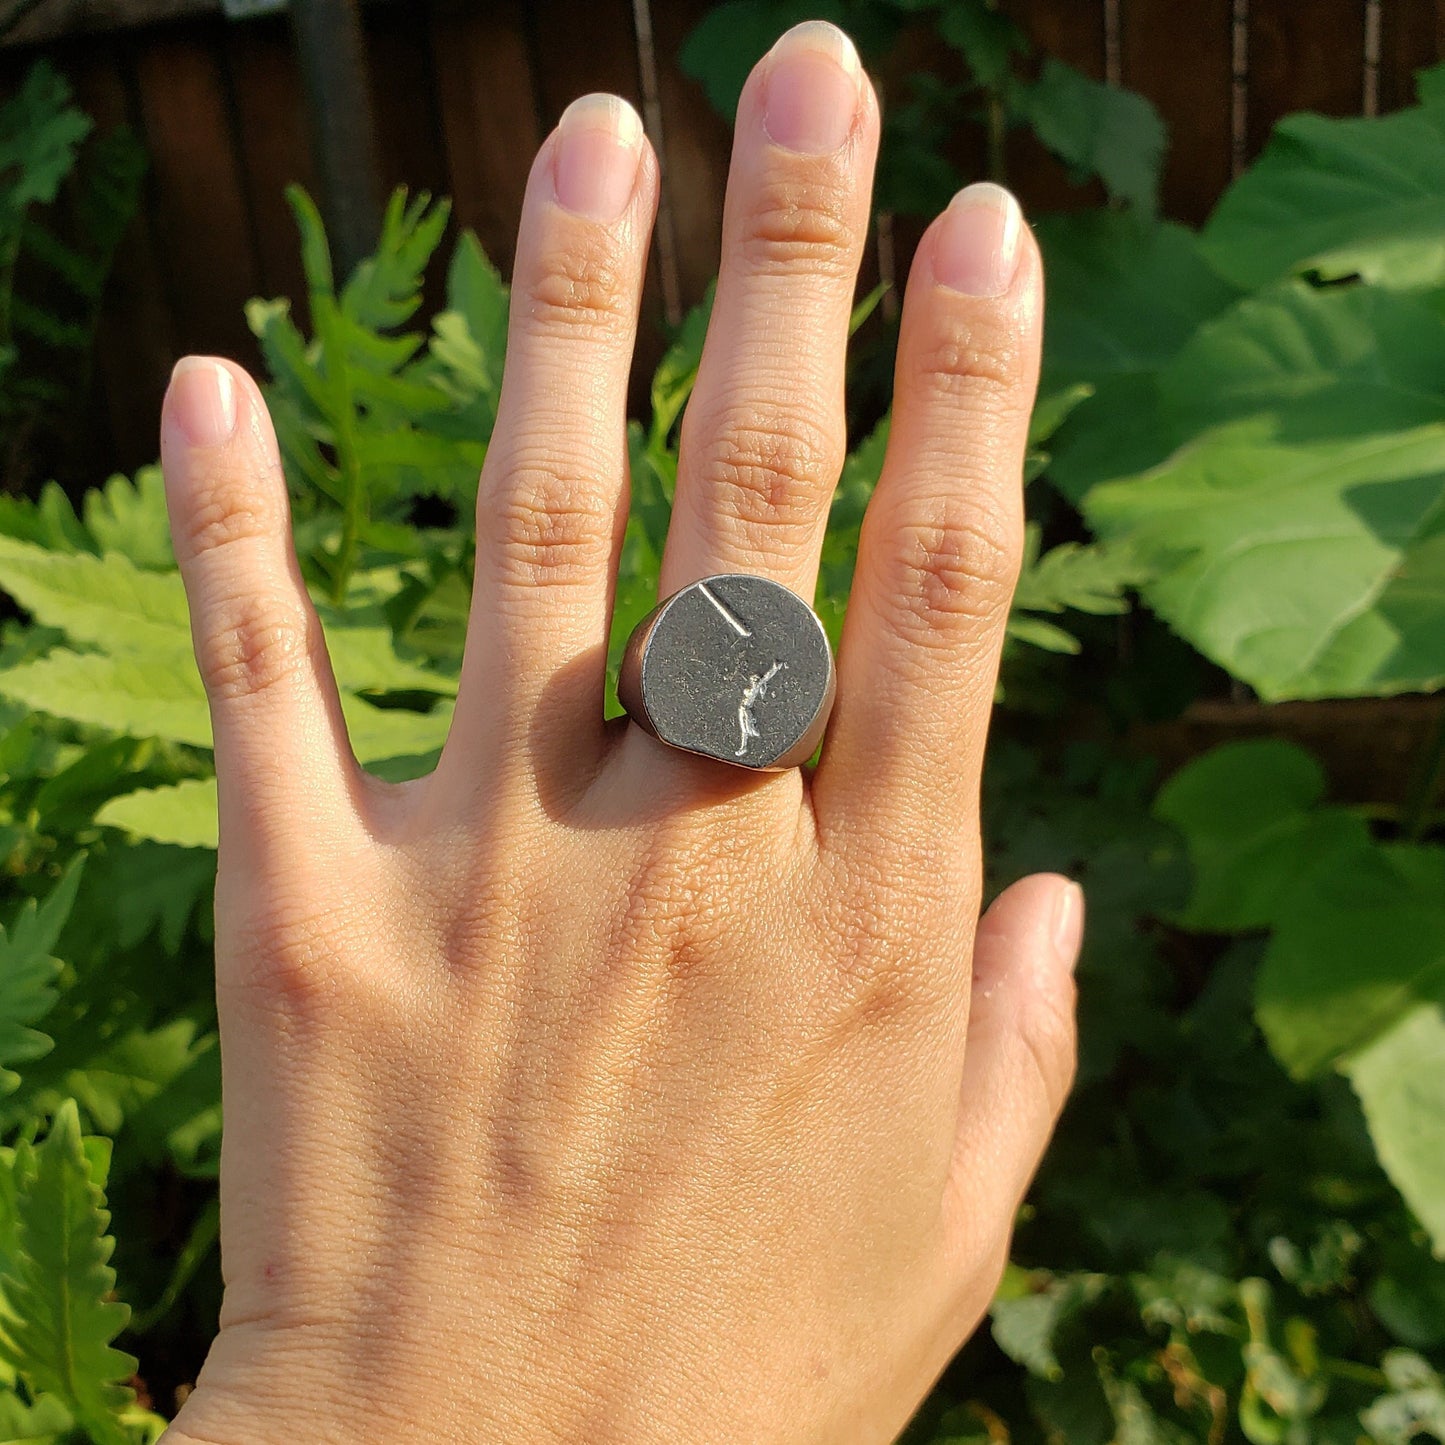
[734,667]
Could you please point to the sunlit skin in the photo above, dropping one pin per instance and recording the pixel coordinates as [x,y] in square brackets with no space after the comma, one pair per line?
[586,1090]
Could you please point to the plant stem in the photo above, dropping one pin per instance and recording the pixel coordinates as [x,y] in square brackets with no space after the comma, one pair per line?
[1418,806]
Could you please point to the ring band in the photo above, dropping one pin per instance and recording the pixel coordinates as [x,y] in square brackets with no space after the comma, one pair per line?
[736,668]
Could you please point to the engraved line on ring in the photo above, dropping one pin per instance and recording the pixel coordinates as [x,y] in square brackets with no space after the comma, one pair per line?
[731,620]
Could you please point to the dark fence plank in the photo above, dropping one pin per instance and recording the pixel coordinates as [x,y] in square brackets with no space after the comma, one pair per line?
[275,149]
[696,146]
[1303,57]
[1180,57]
[197,200]
[1410,39]
[488,116]
[600,54]
[1074,32]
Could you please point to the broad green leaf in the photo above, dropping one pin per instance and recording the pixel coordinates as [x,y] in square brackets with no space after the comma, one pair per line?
[1286,485]
[1400,1078]
[1249,812]
[1124,294]
[987,39]
[28,971]
[44,1422]
[59,1317]
[1360,945]
[1339,198]
[1096,129]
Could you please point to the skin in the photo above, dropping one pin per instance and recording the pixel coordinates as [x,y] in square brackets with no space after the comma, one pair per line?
[586,1090]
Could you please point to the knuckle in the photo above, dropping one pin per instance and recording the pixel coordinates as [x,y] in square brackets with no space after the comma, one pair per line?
[956,560]
[973,357]
[800,229]
[226,509]
[764,479]
[546,526]
[291,946]
[253,644]
[586,289]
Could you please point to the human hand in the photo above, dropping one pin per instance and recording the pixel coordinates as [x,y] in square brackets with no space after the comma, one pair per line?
[586,1090]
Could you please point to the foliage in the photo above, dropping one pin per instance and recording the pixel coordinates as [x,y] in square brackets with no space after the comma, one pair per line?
[53,274]
[1095,129]
[1240,1234]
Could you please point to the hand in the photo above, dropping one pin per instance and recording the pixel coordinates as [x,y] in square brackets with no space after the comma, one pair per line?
[586,1090]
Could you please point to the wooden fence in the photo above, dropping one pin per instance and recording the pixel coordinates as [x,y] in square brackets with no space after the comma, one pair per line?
[464,92]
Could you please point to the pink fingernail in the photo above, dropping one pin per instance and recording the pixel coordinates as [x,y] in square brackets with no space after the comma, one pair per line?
[812,88]
[201,401]
[1068,925]
[599,148]
[976,250]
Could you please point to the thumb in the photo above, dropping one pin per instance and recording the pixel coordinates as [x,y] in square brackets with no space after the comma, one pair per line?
[1020,1053]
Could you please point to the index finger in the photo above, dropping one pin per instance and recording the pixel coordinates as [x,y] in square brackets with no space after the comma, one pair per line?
[943,536]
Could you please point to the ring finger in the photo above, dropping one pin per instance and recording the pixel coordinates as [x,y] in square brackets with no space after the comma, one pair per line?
[763,437]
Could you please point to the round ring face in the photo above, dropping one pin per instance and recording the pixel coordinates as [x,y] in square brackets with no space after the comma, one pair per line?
[737,668]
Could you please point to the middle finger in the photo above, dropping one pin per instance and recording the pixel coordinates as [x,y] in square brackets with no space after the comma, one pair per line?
[763,437]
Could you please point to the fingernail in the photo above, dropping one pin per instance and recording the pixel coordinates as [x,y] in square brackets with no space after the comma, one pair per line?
[599,148]
[201,402]
[977,250]
[812,88]
[1068,926]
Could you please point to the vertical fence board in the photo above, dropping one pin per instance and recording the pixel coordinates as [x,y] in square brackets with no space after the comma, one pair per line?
[1074,33]
[135,343]
[198,200]
[1303,57]
[582,46]
[1410,36]
[488,116]
[697,144]
[1180,58]
[275,149]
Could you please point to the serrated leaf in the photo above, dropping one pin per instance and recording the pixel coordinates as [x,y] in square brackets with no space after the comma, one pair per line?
[28,971]
[130,517]
[59,1317]
[1096,129]
[182,815]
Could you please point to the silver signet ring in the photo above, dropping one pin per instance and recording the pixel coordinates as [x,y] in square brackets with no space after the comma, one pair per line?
[734,667]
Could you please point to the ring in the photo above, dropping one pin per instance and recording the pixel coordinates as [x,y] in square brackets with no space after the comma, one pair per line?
[736,668]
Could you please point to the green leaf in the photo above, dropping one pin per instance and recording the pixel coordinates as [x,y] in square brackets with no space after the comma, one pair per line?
[731,38]
[1339,198]
[28,971]
[1400,1078]
[1124,294]
[1287,488]
[1025,1328]
[1096,129]
[1360,946]
[673,380]
[59,1317]
[130,517]
[987,39]
[39,133]
[1250,814]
